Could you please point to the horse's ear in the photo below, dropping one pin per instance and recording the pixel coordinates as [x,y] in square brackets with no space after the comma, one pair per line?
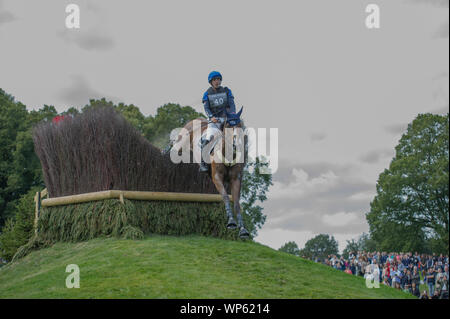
[239,113]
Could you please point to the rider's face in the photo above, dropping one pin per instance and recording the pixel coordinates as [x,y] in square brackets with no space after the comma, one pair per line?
[216,82]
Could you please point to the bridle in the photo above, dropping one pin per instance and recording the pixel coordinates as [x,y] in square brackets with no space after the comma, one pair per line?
[227,142]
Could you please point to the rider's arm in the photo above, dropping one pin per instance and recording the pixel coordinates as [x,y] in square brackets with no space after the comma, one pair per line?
[232,106]
[206,105]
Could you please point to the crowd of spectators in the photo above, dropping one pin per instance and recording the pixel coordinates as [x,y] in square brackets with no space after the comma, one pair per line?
[405,271]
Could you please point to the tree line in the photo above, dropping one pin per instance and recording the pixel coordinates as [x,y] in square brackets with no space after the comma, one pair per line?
[410,211]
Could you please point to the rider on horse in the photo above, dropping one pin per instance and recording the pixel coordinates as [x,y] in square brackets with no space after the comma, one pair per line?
[218,101]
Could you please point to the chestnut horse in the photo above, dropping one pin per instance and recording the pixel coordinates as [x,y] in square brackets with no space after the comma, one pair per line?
[221,171]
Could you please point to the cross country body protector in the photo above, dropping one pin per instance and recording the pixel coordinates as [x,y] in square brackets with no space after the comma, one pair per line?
[218,102]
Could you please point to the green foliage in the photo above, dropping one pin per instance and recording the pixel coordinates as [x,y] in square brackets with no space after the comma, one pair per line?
[411,205]
[364,243]
[130,112]
[320,247]
[253,191]
[20,168]
[352,246]
[130,232]
[133,115]
[131,220]
[290,248]
[13,120]
[18,229]
[168,117]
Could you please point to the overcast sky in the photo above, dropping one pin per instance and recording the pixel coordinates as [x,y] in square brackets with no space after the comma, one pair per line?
[339,93]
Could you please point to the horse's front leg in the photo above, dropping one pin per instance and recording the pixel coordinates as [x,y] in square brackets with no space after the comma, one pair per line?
[236,193]
[217,177]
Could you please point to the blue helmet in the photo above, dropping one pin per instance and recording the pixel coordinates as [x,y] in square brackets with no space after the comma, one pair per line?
[214,74]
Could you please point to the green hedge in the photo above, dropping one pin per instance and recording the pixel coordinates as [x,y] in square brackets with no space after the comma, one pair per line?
[133,219]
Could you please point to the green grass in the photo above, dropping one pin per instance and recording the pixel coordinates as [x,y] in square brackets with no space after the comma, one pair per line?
[178,267]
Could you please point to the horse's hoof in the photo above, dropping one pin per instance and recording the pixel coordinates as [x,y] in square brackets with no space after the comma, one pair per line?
[243,233]
[231,224]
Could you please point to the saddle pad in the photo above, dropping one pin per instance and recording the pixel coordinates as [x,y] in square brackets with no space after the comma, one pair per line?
[197,153]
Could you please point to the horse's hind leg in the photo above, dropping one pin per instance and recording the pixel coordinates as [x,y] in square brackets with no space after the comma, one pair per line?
[218,181]
[235,191]
[231,224]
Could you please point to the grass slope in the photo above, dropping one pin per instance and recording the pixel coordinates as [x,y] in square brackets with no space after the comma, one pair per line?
[178,267]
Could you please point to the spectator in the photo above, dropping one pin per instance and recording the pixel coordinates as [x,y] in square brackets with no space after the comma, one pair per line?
[398,270]
[401,267]
[353,267]
[375,271]
[439,274]
[436,294]
[424,295]
[422,265]
[429,263]
[443,284]
[407,280]
[397,278]
[386,282]
[348,271]
[342,263]
[415,290]
[430,280]
[415,277]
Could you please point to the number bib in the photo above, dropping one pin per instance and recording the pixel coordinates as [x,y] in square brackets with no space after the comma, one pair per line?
[218,101]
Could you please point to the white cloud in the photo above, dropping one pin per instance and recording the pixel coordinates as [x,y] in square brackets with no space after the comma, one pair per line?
[339,219]
[367,195]
[303,185]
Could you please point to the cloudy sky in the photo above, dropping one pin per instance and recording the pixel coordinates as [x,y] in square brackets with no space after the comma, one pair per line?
[339,93]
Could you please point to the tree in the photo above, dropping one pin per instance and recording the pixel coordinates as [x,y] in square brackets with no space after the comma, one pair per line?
[352,247]
[13,121]
[363,243]
[130,112]
[366,243]
[320,247]
[253,190]
[290,248]
[19,228]
[168,117]
[411,205]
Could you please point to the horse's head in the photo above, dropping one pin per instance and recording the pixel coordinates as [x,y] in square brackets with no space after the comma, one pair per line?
[236,125]
[234,120]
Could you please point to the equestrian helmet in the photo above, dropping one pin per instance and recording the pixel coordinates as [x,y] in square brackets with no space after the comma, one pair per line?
[214,74]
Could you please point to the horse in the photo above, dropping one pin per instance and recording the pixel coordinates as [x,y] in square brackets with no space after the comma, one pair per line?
[222,171]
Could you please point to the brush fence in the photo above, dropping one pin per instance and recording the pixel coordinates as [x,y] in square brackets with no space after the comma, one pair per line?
[129,214]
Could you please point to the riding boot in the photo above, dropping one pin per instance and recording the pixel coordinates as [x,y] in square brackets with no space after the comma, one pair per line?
[203,166]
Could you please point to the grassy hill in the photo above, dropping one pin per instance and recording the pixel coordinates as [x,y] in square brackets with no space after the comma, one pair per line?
[178,267]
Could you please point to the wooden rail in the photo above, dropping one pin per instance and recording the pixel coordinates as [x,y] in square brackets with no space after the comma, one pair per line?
[168,196]
[88,197]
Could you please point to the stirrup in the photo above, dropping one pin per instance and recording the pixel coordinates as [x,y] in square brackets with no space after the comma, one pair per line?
[203,167]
